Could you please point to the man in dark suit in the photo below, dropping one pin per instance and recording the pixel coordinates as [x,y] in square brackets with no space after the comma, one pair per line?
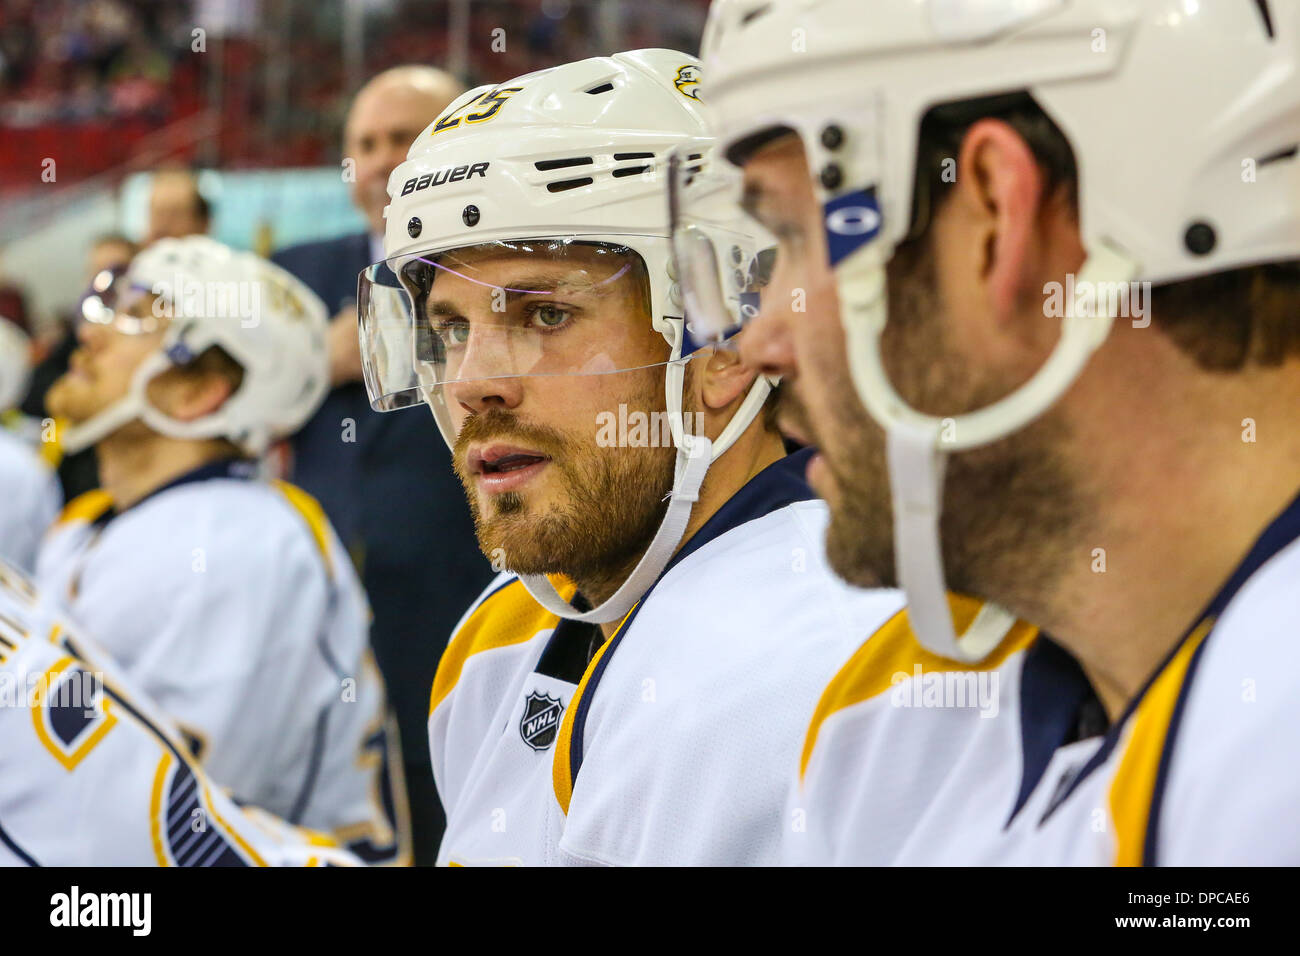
[386,481]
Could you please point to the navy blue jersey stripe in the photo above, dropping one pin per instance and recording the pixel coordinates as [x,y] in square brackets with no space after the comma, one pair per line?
[780,484]
[17,851]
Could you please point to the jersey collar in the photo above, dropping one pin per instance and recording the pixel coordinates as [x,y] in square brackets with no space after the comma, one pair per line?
[240,469]
[779,484]
[1054,690]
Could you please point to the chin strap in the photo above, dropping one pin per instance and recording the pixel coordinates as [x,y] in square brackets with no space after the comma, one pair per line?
[695,453]
[93,430]
[915,449]
[134,406]
[693,460]
[916,470]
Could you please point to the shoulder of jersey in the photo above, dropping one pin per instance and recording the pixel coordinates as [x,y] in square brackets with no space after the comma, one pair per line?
[504,615]
[894,649]
[765,572]
[85,508]
[22,461]
[276,509]
[794,523]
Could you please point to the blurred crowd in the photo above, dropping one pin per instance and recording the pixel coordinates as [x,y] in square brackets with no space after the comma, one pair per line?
[78,60]
[272,72]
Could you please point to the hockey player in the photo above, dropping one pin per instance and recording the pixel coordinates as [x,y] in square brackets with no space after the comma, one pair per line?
[91,774]
[30,489]
[227,599]
[618,711]
[1063,242]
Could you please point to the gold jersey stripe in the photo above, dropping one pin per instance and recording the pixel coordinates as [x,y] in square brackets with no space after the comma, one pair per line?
[894,649]
[1134,784]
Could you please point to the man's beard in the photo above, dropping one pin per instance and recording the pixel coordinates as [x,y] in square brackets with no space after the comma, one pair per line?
[71,400]
[1011,509]
[611,502]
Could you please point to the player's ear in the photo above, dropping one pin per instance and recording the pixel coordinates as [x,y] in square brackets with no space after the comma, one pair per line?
[186,397]
[1001,191]
[724,379]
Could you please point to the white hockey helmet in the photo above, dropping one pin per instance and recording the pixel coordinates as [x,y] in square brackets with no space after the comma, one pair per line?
[210,295]
[564,162]
[15,364]
[1165,103]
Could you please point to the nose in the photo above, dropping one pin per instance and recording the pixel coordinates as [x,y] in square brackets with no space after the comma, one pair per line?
[391,155]
[766,345]
[485,376]
[90,334]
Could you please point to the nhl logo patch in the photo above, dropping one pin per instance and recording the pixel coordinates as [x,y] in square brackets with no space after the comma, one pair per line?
[541,721]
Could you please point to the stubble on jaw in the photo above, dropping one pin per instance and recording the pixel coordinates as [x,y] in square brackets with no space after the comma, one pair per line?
[610,502]
[1013,511]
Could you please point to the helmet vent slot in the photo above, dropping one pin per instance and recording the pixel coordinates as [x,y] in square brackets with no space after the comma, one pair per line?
[603,88]
[1287,152]
[619,157]
[544,164]
[1268,17]
[564,184]
[630,171]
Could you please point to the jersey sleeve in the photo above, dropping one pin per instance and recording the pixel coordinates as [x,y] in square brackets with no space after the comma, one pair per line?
[32,499]
[91,776]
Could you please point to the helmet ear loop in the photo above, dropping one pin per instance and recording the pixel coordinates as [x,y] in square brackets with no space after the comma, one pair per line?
[675,387]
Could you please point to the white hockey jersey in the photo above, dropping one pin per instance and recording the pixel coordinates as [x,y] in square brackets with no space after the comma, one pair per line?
[672,742]
[90,775]
[907,749]
[1203,767]
[29,500]
[231,603]
[1200,769]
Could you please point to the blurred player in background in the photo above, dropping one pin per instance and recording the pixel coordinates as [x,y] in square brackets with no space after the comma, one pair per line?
[651,717]
[228,599]
[78,473]
[93,774]
[177,208]
[1072,316]
[386,481]
[29,489]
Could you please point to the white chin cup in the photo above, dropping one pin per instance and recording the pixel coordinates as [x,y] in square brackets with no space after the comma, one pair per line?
[135,406]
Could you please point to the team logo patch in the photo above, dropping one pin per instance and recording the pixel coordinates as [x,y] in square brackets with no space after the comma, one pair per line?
[688,81]
[541,721]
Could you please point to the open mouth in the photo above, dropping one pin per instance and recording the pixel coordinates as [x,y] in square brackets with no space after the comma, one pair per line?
[505,467]
[509,463]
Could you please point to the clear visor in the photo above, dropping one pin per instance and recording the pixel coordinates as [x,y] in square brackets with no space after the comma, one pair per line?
[724,257]
[531,307]
[113,300]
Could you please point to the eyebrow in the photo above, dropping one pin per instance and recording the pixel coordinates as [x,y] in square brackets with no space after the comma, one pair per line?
[520,288]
